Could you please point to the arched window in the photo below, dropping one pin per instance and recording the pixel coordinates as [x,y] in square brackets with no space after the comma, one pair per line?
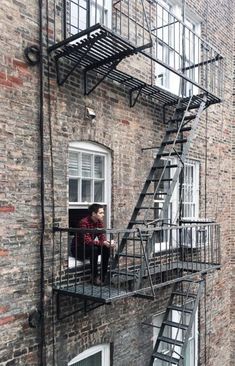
[89,179]
[97,355]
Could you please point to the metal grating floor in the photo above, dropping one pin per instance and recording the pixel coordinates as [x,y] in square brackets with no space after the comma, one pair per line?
[103,294]
[97,48]
[109,293]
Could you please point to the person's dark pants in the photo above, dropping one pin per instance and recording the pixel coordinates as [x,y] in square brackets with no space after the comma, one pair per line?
[92,252]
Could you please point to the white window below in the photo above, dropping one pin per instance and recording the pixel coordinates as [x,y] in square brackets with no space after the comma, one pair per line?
[191,354]
[94,356]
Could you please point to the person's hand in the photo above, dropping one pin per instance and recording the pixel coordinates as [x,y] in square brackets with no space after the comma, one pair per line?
[109,244]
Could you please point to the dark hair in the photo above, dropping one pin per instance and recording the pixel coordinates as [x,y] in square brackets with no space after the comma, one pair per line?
[94,208]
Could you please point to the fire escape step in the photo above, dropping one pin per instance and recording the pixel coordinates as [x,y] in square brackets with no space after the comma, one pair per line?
[170,153]
[180,308]
[186,118]
[157,180]
[148,208]
[171,142]
[175,130]
[187,294]
[166,358]
[171,166]
[171,341]
[175,325]
[131,255]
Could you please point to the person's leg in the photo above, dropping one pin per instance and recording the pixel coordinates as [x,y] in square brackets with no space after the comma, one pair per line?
[105,254]
[92,252]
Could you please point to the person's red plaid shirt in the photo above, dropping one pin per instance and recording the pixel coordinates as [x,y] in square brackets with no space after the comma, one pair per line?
[92,238]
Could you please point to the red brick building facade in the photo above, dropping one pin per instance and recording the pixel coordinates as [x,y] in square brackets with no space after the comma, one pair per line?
[49,130]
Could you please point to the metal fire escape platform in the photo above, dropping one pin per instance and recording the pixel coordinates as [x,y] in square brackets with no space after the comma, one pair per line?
[100,50]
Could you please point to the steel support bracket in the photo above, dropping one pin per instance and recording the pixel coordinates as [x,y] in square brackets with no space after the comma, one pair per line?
[133,99]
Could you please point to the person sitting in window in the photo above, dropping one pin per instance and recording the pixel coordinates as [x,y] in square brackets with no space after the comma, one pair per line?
[91,245]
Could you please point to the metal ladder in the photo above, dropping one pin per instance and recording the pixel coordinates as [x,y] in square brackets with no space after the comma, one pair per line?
[152,206]
[173,336]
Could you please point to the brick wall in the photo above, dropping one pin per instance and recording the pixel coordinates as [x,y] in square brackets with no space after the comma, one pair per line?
[124,131]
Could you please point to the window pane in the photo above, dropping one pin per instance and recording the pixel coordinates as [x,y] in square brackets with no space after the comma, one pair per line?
[99,191]
[82,18]
[73,164]
[73,190]
[99,166]
[74,15]
[86,165]
[86,191]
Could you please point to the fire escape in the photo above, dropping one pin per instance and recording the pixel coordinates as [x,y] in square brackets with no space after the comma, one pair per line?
[102,51]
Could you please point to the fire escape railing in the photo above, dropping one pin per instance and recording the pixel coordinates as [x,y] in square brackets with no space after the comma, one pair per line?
[178,253]
[176,50]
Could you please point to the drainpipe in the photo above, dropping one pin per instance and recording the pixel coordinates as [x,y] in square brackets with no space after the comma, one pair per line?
[42,193]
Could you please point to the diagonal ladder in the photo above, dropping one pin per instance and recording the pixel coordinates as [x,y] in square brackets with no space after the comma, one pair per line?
[173,336]
[152,206]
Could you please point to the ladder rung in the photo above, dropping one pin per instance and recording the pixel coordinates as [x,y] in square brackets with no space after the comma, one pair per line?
[187,294]
[166,358]
[147,194]
[170,154]
[157,180]
[183,129]
[131,255]
[171,142]
[186,118]
[191,106]
[166,166]
[180,308]
[175,325]
[171,341]
[153,194]
[147,207]
[139,222]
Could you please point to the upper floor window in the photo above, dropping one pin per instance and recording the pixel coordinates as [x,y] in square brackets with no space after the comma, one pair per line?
[98,356]
[176,46]
[84,13]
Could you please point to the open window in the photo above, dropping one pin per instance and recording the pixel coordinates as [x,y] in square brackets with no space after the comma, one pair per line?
[97,355]
[89,179]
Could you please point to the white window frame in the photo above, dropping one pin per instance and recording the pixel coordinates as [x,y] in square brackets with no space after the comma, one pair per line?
[74,19]
[195,165]
[175,200]
[157,321]
[105,355]
[172,80]
[94,148]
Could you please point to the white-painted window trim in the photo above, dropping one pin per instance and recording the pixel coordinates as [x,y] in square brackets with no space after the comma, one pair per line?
[175,201]
[94,148]
[172,81]
[105,355]
[77,14]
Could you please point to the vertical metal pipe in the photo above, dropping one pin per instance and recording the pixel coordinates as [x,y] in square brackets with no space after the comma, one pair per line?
[88,14]
[65,18]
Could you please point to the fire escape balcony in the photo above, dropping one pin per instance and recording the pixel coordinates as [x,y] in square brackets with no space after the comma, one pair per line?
[151,259]
[169,51]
